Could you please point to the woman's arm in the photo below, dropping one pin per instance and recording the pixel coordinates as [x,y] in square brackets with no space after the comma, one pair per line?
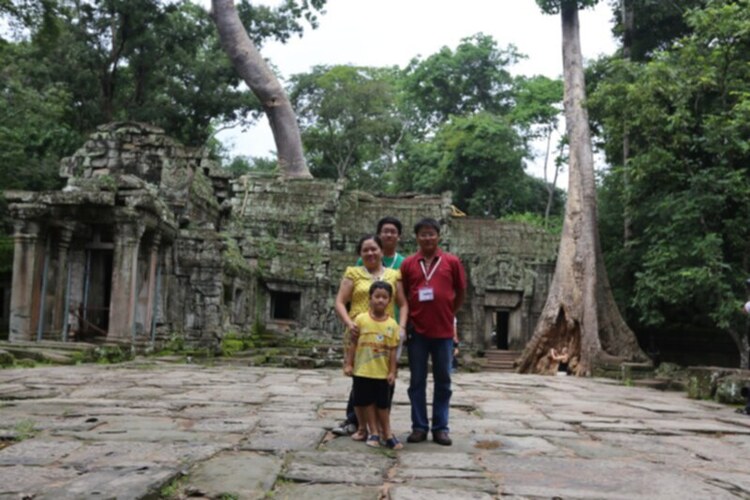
[344,295]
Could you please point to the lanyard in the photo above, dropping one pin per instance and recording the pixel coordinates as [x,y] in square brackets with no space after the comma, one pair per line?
[393,263]
[428,277]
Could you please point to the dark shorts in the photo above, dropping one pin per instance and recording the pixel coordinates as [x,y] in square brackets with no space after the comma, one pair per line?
[368,391]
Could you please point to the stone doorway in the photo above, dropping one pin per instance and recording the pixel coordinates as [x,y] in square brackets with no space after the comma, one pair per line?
[94,313]
[502,332]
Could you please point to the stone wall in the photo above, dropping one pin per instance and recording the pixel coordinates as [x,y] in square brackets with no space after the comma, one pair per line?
[193,255]
[298,236]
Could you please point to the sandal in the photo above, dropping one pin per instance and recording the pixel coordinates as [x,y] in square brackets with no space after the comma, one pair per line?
[359,435]
[373,441]
[393,443]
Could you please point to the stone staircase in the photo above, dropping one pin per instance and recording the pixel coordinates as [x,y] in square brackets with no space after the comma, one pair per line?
[500,361]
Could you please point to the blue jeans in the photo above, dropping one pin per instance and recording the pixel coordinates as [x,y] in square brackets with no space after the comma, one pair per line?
[441,352]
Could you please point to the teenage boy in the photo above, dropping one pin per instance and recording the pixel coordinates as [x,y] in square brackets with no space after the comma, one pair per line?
[435,286]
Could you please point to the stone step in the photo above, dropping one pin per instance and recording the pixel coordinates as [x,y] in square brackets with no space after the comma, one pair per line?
[497,360]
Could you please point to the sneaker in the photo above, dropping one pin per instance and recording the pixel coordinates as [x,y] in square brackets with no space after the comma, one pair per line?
[344,429]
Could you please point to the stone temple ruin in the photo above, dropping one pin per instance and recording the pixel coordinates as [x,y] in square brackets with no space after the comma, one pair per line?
[150,240]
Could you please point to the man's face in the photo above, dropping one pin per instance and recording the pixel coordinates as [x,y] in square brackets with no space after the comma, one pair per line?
[389,235]
[427,239]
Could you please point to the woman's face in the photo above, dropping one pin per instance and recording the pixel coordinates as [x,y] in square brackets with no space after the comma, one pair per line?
[371,254]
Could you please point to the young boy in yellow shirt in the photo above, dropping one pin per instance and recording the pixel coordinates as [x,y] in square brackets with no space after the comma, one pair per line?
[372,362]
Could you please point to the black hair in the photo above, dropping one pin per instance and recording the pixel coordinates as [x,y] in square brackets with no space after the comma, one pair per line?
[390,220]
[366,237]
[381,285]
[427,222]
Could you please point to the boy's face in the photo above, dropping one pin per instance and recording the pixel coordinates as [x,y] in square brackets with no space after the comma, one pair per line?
[379,300]
[389,235]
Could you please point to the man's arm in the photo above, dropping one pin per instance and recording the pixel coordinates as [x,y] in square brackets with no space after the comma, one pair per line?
[459,299]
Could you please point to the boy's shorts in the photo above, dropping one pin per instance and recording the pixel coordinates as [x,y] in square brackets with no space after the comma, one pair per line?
[368,391]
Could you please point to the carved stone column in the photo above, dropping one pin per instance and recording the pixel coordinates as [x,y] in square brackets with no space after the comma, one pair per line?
[24,307]
[124,280]
[154,252]
[61,283]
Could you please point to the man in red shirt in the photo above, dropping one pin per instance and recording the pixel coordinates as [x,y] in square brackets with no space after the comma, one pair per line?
[435,286]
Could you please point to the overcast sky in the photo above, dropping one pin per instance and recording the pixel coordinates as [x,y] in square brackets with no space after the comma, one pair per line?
[391,32]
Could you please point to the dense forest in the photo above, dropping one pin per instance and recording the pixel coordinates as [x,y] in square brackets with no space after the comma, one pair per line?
[670,111]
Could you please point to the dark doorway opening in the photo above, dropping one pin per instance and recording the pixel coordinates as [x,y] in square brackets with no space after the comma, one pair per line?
[501,329]
[285,305]
[97,295]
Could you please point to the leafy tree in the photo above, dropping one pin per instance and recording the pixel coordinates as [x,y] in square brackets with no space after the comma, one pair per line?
[580,311]
[33,129]
[478,157]
[350,121]
[689,110]
[654,25]
[471,79]
[93,62]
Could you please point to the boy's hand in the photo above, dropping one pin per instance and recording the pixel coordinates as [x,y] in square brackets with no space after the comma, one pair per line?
[348,370]
[391,378]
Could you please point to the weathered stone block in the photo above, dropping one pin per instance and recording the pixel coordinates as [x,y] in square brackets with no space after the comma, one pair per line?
[728,388]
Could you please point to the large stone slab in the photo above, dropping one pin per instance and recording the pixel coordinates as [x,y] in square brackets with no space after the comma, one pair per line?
[426,493]
[241,474]
[283,438]
[120,483]
[326,491]
[602,479]
[22,481]
[338,467]
[103,454]
[37,452]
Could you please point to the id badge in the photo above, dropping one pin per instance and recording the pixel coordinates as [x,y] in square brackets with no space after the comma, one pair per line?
[426,294]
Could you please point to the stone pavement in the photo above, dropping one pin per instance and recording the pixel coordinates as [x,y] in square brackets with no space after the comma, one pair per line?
[150,430]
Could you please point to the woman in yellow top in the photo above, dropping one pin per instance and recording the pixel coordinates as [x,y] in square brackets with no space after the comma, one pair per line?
[355,290]
[355,286]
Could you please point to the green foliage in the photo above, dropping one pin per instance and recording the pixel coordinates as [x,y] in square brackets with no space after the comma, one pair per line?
[480,158]
[24,429]
[552,226]
[242,165]
[349,120]
[474,78]
[70,66]
[174,489]
[232,343]
[113,354]
[656,25]
[6,254]
[687,184]
[456,120]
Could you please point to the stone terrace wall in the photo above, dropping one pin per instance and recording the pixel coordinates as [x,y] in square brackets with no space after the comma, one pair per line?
[503,259]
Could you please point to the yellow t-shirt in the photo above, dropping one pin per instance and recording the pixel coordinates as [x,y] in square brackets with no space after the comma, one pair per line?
[376,339]
[361,291]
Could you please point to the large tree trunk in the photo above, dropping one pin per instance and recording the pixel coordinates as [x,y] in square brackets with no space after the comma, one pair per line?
[580,312]
[253,69]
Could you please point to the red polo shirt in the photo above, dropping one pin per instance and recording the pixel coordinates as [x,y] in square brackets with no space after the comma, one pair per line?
[433,318]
